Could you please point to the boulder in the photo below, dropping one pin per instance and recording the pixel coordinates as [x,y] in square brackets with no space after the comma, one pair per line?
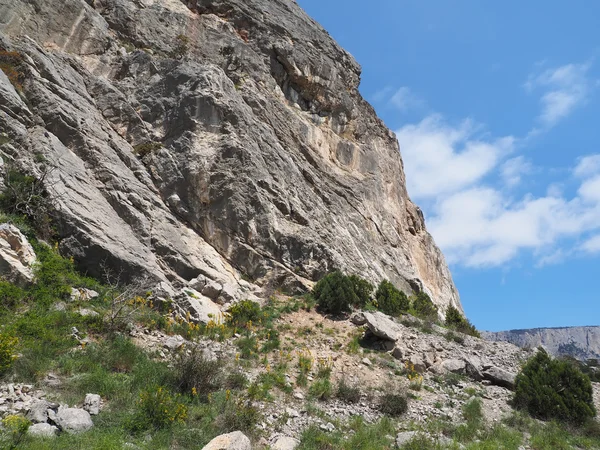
[285,443]
[417,362]
[16,255]
[405,437]
[92,404]
[358,319]
[398,352]
[230,441]
[82,294]
[382,325]
[38,412]
[201,309]
[499,377]
[43,430]
[472,368]
[73,420]
[454,365]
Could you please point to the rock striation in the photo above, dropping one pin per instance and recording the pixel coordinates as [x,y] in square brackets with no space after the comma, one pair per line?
[221,139]
[578,342]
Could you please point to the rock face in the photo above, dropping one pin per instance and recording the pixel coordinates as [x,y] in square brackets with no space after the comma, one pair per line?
[16,255]
[578,342]
[213,138]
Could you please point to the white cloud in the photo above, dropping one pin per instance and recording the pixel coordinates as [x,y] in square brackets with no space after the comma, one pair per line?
[514,169]
[444,159]
[587,165]
[479,225]
[564,89]
[405,100]
[592,245]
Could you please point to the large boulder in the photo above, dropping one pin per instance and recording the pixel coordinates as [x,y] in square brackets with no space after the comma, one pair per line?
[382,326]
[499,377]
[16,255]
[231,441]
[73,420]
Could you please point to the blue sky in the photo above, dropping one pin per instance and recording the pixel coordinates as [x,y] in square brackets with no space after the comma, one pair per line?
[496,108]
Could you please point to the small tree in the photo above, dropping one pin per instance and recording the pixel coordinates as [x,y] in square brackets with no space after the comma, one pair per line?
[456,321]
[391,300]
[362,288]
[553,389]
[423,306]
[334,293]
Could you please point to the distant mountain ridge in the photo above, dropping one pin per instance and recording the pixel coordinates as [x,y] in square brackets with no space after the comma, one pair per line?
[579,342]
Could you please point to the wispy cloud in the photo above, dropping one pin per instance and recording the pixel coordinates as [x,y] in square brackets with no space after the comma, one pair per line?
[444,159]
[563,89]
[402,99]
[592,245]
[478,224]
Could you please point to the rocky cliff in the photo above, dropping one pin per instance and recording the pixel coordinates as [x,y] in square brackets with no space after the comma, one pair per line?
[220,139]
[578,342]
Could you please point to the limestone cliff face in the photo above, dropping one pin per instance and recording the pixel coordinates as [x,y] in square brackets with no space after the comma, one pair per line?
[578,342]
[211,137]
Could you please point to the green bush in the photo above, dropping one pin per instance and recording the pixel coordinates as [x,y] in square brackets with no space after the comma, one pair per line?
[394,405]
[197,375]
[553,389]
[8,347]
[347,393]
[244,313]
[158,408]
[10,295]
[321,389]
[335,294]
[363,290]
[456,321]
[423,306]
[391,300]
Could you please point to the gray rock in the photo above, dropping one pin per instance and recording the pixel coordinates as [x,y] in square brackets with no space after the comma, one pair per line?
[454,365]
[417,362]
[73,420]
[358,319]
[82,294]
[382,326]
[86,312]
[500,377]
[42,430]
[405,437]
[285,443]
[231,441]
[16,255]
[269,160]
[398,352]
[200,308]
[38,412]
[92,404]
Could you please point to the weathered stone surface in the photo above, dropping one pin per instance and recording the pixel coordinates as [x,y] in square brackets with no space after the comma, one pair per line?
[454,365]
[73,420]
[200,308]
[38,412]
[231,441]
[43,430]
[358,319]
[405,437]
[92,404]
[499,377]
[16,255]
[82,294]
[382,325]
[285,443]
[265,160]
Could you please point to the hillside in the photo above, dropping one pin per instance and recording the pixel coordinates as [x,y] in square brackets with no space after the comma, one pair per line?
[579,342]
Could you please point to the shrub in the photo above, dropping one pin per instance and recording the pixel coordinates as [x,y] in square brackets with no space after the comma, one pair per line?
[321,389]
[394,405]
[10,295]
[391,300]
[244,313]
[347,393]
[146,148]
[362,288]
[424,307]
[197,374]
[553,389]
[13,66]
[158,409]
[238,415]
[8,347]
[456,321]
[17,426]
[335,294]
